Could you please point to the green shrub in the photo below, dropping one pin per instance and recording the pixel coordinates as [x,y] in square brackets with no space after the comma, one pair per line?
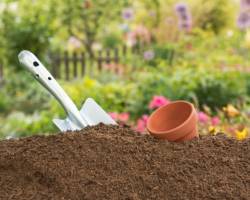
[213,15]
[24,28]
[19,124]
[204,87]
[111,40]
[220,89]
[21,92]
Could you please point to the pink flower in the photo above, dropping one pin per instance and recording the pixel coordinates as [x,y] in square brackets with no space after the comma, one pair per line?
[203,117]
[123,117]
[244,4]
[114,115]
[131,38]
[142,124]
[145,118]
[215,121]
[158,101]
[140,33]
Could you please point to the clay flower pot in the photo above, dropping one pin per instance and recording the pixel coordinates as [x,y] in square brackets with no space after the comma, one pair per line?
[176,122]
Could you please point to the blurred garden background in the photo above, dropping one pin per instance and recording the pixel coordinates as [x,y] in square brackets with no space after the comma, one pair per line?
[131,56]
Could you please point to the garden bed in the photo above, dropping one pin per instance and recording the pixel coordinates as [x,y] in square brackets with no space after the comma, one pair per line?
[111,162]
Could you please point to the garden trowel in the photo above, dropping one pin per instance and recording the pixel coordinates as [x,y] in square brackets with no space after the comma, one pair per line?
[90,114]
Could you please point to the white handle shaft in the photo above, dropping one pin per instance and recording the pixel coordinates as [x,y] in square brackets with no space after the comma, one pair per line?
[37,69]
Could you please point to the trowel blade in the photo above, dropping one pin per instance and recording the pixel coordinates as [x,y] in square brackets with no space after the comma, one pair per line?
[65,125]
[94,114]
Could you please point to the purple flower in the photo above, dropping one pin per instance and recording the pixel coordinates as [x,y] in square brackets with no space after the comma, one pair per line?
[149,55]
[185,25]
[184,16]
[243,20]
[128,14]
[152,13]
[181,7]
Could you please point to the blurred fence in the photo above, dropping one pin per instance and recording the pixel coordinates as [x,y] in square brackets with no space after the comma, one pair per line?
[70,65]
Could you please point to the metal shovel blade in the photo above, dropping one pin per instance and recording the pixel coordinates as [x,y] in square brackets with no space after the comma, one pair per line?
[91,112]
[94,114]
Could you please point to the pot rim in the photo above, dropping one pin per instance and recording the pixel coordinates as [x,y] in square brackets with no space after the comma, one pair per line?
[176,128]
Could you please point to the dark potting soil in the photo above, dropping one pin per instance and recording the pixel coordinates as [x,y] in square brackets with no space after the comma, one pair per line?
[111,162]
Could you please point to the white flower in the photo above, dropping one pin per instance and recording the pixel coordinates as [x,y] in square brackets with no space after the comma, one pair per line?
[74,42]
[13,6]
[149,55]
[230,33]
[96,46]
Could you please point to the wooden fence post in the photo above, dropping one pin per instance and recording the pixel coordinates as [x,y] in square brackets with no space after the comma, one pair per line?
[58,65]
[124,50]
[83,63]
[55,62]
[66,62]
[99,60]
[53,65]
[108,58]
[116,55]
[75,61]
[133,49]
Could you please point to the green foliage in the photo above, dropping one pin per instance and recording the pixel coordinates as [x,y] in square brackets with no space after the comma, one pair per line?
[27,27]
[112,97]
[203,87]
[213,15]
[111,41]
[163,51]
[219,89]
[247,77]
[20,92]
[148,85]
[4,102]
[88,20]
[19,124]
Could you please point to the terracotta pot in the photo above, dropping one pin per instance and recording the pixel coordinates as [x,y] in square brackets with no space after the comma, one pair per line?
[176,122]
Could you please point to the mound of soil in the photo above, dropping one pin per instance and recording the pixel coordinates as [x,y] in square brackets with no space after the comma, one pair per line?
[111,162]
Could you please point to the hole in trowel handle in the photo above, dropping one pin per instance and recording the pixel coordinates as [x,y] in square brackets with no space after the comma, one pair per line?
[36,64]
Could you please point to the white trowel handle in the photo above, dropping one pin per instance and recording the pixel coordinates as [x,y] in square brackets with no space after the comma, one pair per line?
[33,65]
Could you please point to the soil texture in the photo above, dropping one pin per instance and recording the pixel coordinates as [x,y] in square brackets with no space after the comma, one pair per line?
[114,162]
